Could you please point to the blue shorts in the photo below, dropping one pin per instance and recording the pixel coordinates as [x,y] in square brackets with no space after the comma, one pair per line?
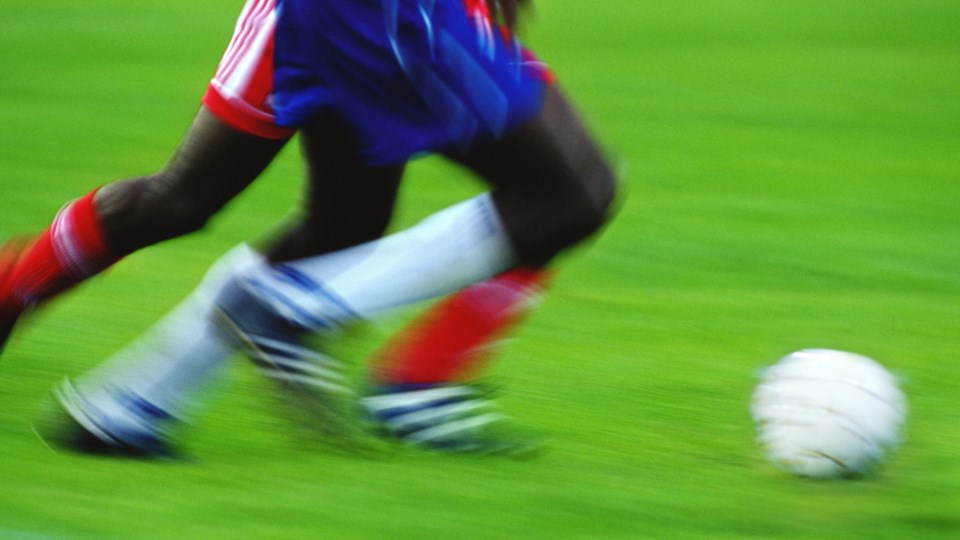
[408,76]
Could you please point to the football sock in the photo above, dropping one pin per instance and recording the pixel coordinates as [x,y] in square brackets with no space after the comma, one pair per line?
[461,245]
[71,250]
[453,341]
[175,360]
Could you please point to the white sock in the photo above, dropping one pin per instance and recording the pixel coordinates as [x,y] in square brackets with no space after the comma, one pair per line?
[178,357]
[461,245]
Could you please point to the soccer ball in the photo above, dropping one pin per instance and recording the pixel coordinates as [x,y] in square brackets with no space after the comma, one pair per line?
[823,413]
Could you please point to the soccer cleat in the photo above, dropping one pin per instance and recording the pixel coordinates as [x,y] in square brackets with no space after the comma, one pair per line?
[313,385]
[130,428]
[453,418]
[10,253]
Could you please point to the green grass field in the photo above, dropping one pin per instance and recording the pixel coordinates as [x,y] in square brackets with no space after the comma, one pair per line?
[792,174]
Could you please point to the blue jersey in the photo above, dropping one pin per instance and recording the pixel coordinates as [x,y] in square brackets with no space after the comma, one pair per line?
[408,76]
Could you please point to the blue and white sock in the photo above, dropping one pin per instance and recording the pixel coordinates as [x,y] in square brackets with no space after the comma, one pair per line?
[458,246]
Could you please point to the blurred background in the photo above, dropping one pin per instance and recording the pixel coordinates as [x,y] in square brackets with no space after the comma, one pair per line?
[791,172]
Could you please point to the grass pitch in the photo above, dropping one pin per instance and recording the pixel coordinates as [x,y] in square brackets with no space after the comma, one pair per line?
[791,171]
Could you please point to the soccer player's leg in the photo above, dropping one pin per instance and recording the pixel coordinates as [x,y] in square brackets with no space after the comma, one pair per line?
[553,189]
[456,247]
[137,401]
[455,339]
[424,382]
[90,234]
[70,250]
[228,145]
[10,253]
[214,164]
[195,343]
[467,97]
[348,204]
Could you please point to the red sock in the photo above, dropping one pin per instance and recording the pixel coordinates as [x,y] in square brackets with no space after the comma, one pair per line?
[70,251]
[452,340]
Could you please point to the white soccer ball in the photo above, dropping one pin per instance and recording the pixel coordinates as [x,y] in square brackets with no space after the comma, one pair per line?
[823,413]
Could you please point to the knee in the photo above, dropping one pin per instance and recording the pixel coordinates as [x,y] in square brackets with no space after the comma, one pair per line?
[543,225]
[594,205]
[581,172]
[581,214]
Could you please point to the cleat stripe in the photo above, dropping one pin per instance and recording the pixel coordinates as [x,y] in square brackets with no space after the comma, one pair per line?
[415,398]
[290,350]
[293,366]
[434,415]
[444,430]
[307,380]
